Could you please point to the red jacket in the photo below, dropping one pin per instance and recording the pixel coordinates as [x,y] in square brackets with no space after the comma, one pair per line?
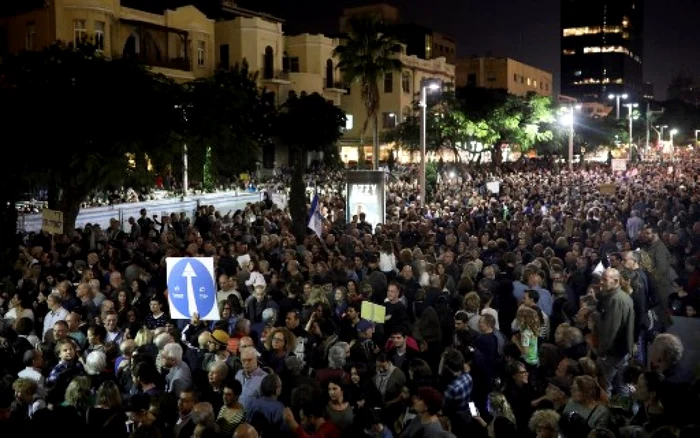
[327,430]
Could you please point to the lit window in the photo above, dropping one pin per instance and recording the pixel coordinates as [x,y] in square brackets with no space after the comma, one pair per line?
[591,30]
[30,37]
[201,50]
[606,49]
[389,120]
[99,35]
[569,51]
[587,81]
[534,84]
[529,81]
[79,31]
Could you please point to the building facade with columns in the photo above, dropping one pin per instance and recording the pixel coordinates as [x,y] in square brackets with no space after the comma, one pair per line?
[398,93]
[178,43]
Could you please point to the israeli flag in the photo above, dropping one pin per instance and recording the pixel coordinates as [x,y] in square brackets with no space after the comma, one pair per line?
[315,218]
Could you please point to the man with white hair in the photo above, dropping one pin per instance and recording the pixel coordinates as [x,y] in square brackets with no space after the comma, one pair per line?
[56,313]
[665,355]
[250,376]
[615,328]
[179,378]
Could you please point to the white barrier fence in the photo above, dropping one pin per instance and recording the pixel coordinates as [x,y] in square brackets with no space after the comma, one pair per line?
[223,201]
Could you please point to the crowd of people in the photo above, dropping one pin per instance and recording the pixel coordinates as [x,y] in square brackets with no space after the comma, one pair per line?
[542,310]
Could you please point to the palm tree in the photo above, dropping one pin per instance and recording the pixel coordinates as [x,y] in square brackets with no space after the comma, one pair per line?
[367,54]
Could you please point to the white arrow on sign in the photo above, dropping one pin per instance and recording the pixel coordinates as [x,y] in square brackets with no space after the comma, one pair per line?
[191,301]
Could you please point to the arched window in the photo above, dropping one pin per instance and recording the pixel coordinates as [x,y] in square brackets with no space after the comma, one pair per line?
[269,63]
[329,74]
[132,47]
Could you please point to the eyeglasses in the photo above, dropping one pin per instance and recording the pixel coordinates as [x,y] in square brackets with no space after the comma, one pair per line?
[278,339]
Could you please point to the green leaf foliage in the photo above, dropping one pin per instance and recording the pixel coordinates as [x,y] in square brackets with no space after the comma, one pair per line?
[81,114]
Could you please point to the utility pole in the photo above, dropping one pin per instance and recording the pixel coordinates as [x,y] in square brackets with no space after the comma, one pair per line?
[649,115]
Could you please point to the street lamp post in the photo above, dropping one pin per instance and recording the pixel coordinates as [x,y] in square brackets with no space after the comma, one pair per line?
[673,132]
[568,119]
[630,106]
[661,133]
[617,98]
[425,86]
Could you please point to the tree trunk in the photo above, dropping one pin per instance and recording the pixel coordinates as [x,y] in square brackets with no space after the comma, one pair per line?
[375,135]
[496,155]
[297,199]
[208,172]
[70,206]
[8,240]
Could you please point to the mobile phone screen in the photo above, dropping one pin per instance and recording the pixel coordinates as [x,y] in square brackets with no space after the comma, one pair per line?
[473,410]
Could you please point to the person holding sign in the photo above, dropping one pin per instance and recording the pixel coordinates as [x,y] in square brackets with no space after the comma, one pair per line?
[396,312]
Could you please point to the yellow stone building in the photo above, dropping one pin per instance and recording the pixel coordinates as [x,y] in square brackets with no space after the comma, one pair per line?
[178,43]
[505,74]
[398,92]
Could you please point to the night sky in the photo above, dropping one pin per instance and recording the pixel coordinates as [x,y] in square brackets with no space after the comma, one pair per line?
[527,30]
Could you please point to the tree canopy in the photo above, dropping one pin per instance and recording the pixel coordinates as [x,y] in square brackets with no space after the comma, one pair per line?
[81,114]
[307,123]
[227,115]
[367,53]
[456,118]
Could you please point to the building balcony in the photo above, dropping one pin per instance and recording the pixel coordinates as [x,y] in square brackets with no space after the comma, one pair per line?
[334,87]
[277,77]
[182,64]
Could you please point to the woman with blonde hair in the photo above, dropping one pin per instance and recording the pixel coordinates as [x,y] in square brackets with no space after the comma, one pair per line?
[528,321]
[498,407]
[317,296]
[472,305]
[78,395]
[107,418]
[545,423]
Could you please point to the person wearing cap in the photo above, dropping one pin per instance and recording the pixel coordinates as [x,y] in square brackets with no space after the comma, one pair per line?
[217,346]
[557,395]
[365,336]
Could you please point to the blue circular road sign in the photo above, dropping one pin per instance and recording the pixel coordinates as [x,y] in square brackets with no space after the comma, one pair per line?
[191,288]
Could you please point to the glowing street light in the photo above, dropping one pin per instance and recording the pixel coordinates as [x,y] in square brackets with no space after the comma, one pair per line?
[433,85]
[617,98]
[661,134]
[673,132]
[629,107]
[567,119]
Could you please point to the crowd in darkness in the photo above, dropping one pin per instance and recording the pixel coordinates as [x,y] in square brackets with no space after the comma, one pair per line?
[543,310]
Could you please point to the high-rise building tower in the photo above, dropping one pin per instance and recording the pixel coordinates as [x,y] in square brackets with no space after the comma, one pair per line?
[602,44]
